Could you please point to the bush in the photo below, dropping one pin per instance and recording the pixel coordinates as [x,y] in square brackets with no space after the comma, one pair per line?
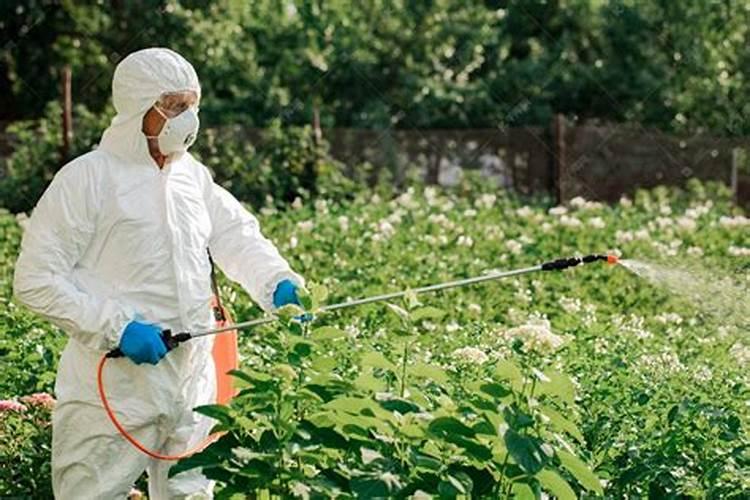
[26,173]
[286,163]
[25,446]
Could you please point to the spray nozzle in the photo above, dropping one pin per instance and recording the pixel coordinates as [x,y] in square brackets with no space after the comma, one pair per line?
[559,264]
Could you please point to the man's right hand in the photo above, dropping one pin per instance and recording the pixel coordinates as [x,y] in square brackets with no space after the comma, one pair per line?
[142,343]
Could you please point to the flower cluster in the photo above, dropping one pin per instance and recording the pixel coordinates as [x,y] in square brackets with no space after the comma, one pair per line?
[470,355]
[536,336]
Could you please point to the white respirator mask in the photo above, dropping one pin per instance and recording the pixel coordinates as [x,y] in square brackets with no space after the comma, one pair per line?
[178,133]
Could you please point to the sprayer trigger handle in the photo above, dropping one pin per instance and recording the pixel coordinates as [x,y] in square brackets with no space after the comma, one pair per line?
[115,353]
[172,341]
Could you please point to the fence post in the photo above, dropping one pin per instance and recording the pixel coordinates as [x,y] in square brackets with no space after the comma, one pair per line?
[558,159]
[734,179]
[67,114]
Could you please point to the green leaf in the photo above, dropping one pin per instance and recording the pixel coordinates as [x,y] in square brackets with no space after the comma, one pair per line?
[426,313]
[432,372]
[289,311]
[506,370]
[328,333]
[559,386]
[562,423]
[443,426]
[402,406]
[522,491]
[369,382]
[495,390]
[219,412]
[305,297]
[349,404]
[580,471]
[556,485]
[525,451]
[454,484]
[398,311]
[319,294]
[376,359]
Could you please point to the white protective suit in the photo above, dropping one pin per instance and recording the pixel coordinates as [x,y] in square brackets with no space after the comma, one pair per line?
[114,237]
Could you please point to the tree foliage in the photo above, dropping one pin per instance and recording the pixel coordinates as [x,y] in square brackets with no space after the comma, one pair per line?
[401,63]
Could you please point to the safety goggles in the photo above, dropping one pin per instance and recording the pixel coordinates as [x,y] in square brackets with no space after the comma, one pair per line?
[171,104]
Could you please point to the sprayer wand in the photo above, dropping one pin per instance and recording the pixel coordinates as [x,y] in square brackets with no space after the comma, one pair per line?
[172,341]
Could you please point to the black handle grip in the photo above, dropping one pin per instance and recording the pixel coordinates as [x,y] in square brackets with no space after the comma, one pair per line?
[560,264]
[170,341]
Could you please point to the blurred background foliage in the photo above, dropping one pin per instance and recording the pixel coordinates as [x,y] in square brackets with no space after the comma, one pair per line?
[680,66]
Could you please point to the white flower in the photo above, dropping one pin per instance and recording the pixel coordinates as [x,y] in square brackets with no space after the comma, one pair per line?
[470,212]
[739,251]
[665,210]
[536,335]
[474,308]
[321,206]
[470,355]
[597,223]
[465,241]
[571,305]
[513,246]
[386,228]
[293,242]
[664,222]
[686,224]
[300,490]
[665,318]
[452,327]
[558,210]
[625,202]
[577,202]
[703,374]
[665,363]
[741,353]
[486,200]
[732,222]
[430,192]
[524,211]
[581,203]
[306,226]
[695,251]
[407,199]
[569,221]
[343,221]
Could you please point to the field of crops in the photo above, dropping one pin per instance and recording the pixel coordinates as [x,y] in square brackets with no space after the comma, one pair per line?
[583,383]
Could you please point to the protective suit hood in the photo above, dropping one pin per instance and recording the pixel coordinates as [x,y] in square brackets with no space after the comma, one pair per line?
[139,80]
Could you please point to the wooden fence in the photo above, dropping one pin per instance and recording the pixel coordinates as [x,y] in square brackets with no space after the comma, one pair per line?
[598,162]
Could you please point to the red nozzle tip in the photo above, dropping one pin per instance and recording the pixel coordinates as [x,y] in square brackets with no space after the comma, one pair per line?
[612,259]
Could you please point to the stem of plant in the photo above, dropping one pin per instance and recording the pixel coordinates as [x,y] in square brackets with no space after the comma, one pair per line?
[403,367]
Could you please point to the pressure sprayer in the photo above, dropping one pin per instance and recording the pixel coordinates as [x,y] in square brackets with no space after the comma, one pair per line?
[173,340]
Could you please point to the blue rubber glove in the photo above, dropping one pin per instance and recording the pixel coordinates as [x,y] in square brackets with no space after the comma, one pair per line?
[286,293]
[142,343]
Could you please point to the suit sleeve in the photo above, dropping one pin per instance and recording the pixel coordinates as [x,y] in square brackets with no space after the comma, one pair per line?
[58,232]
[242,251]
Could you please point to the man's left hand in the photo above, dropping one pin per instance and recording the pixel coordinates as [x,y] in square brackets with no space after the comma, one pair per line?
[286,293]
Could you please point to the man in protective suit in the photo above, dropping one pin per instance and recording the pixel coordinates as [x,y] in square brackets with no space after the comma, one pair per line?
[115,252]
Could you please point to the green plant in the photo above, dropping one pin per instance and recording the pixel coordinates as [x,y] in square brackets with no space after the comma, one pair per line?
[368,426]
[285,163]
[36,155]
[25,444]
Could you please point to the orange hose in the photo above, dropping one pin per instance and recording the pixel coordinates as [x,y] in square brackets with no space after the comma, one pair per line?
[159,456]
